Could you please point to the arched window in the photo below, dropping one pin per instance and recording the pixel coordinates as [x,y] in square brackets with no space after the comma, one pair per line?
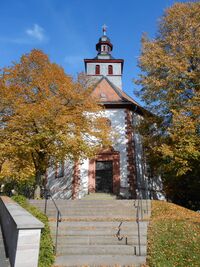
[97,69]
[110,69]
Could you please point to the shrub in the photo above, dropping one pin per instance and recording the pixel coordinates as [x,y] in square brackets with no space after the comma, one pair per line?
[22,187]
[46,255]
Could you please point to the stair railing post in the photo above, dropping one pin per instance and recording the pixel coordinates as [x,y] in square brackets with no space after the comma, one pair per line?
[147,196]
[58,219]
[141,208]
[138,226]
[47,195]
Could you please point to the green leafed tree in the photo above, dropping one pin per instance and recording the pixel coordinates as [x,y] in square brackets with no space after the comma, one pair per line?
[45,116]
[170,87]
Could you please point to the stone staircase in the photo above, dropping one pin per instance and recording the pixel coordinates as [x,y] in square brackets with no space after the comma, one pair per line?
[99,232]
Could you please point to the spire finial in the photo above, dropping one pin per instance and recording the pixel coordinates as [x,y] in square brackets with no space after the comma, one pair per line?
[104,27]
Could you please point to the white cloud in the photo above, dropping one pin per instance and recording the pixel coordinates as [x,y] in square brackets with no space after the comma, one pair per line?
[31,36]
[36,32]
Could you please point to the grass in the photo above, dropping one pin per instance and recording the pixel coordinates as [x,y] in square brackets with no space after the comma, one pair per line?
[173,236]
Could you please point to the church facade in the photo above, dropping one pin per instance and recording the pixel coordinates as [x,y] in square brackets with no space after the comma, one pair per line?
[120,170]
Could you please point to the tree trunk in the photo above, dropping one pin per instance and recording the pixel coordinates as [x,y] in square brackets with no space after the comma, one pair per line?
[38,179]
[37,192]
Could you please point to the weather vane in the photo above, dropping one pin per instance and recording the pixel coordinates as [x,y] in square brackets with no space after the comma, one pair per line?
[104,27]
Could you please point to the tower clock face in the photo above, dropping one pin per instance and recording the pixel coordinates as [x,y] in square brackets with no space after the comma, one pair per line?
[104,38]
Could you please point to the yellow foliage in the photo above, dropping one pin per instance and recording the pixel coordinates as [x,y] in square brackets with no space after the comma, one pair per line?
[44,116]
[171,89]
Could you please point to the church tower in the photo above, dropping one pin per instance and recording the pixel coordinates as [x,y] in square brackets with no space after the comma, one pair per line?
[104,65]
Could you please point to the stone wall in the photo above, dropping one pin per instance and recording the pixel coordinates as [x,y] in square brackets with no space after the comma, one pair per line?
[21,233]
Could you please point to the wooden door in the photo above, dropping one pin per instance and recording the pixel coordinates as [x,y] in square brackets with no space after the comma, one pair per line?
[104,176]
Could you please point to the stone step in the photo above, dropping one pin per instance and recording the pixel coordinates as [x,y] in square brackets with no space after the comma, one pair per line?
[100,260]
[93,211]
[92,203]
[101,225]
[97,218]
[88,210]
[104,196]
[97,232]
[96,227]
[70,208]
[100,240]
[97,213]
[100,250]
[110,224]
[67,210]
[101,218]
[83,200]
[73,211]
[96,210]
[85,208]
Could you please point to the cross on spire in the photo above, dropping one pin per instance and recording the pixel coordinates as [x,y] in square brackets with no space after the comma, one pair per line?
[104,27]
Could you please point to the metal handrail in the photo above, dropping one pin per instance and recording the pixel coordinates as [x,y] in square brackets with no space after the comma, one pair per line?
[47,194]
[118,234]
[139,215]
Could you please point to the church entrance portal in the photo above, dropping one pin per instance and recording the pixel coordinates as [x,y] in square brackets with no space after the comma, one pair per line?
[104,172]
[104,176]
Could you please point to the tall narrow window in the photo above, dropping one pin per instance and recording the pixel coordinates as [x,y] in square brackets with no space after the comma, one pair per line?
[97,69]
[110,69]
[59,172]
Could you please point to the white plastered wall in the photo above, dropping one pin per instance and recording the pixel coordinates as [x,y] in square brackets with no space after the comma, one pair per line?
[116,78]
[61,187]
[118,124]
[83,189]
[146,187]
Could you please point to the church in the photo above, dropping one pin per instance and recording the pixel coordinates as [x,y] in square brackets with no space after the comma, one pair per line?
[120,170]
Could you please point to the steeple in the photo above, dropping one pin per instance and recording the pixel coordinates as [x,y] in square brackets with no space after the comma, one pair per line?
[104,46]
[104,65]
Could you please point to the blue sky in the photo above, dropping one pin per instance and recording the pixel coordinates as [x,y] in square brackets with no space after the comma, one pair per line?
[68,30]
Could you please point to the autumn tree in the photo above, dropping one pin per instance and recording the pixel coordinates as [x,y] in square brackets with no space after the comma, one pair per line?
[45,116]
[170,87]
